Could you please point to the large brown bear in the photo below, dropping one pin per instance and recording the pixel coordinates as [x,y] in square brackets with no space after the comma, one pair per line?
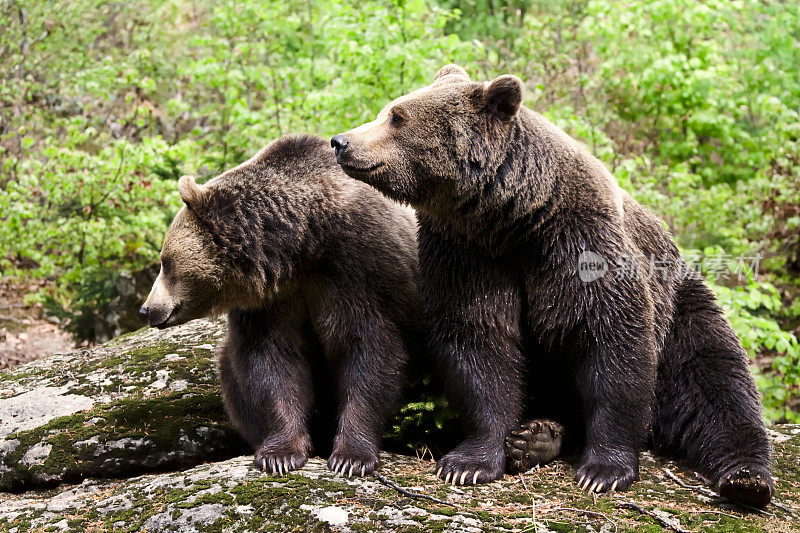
[525,247]
[317,274]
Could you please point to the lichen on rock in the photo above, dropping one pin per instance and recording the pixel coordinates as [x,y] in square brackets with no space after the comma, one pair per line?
[231,495]
[146,401]
[147,404]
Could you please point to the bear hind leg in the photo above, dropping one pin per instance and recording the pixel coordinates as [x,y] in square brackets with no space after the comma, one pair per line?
[707,406]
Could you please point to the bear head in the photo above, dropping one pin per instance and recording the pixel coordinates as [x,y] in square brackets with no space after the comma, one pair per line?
[196,279]
[426,145]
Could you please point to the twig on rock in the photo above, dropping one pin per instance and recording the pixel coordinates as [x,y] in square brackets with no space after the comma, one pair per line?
[783,508]
[524,485]
[696,488]
[533,501]
[405,492]
[585,512]
[664,523]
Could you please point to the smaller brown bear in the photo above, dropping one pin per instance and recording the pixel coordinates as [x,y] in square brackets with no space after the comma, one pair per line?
[317,274]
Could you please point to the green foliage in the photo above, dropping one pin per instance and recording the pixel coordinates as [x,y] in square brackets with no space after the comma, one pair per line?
[692,105]
[686,80]
[700,96]
[273,68]
[121,100]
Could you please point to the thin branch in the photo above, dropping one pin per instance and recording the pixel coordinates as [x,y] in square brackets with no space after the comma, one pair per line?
[709,511]
[94,205]
[276,99]
[404,492]
[582,511]
[533,501]
[664,523]
[696,488]
[783,508]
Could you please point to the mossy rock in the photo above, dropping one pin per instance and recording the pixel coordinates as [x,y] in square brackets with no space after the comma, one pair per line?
[149,402]
[143,402]
[231,495]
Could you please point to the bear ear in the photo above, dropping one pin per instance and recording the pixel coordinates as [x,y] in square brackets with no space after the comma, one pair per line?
[451,69]
[193,195]
[504,96]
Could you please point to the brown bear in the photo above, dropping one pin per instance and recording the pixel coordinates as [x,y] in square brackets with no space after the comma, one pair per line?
[317,274]
[525,247]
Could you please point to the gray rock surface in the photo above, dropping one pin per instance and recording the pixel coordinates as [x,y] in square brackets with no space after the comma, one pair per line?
[145,409]
[36,407]
[146,401]
[231,495]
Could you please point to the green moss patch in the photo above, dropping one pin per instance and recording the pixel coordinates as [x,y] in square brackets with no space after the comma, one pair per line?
[157,406]
[125,437]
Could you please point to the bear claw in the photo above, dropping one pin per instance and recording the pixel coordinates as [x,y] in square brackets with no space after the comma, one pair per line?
[465,468]
[277,461]
[750,486]
[464,477]
[596,477]
[347,464]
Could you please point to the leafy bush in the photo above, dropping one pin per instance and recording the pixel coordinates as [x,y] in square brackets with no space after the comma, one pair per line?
[148,91]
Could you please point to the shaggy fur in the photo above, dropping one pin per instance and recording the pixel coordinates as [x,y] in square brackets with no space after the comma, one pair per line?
[507,203]
[317,274]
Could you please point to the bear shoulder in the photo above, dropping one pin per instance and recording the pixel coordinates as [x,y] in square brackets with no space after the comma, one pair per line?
[297,149]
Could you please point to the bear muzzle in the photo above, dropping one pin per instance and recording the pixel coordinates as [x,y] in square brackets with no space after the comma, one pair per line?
[351,166]
[339,143]
[158,317]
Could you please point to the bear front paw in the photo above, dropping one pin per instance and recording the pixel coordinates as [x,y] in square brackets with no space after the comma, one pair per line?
[352,463]
[470,465]
[536,442]
[605,475]
[276,461]
[748,485]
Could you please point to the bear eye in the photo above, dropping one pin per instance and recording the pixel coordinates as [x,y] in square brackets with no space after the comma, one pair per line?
[165,266]
[395,119]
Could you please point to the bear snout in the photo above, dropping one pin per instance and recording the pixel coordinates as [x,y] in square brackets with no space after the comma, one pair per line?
[339,143]
[158,317]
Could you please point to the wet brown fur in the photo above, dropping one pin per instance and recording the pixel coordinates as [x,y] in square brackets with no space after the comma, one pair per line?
[317,274]
[506,203]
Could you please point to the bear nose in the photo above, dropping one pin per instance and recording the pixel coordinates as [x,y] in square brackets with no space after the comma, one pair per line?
[339,144]
[143,312]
